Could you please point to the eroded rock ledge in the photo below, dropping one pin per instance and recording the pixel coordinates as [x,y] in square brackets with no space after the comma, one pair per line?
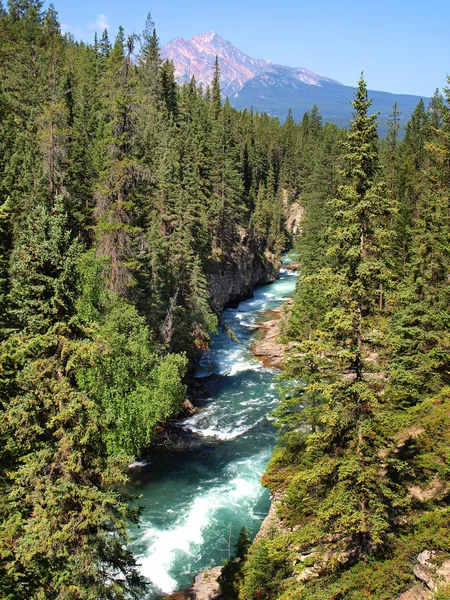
[270,349]
[233,280]
[204,587]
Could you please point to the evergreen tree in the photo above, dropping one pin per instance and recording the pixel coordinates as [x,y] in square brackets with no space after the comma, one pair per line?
[419,329]
[5,251]
[118,193]
[42,272]
[63,525]
[169,88]
[215,89]
[151,62]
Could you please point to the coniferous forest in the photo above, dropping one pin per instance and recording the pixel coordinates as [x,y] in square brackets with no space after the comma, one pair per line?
[121,195]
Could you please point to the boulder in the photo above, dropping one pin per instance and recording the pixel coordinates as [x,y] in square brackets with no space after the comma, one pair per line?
[428,571]
[415,593]
[206,586]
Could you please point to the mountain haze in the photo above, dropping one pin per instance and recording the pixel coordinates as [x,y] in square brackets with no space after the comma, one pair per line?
[268,87]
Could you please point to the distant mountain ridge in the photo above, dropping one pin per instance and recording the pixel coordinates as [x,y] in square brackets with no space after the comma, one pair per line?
[196,58]
[268,87]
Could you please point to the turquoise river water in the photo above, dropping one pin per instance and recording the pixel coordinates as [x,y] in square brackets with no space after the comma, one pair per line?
[196,501]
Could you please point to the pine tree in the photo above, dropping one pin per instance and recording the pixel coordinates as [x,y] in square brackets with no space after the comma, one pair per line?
[215,90]
[227,209]
[419,329]
[42,272]
[151,63]
[63,524]
[5,252]
[117,194]
[169,87]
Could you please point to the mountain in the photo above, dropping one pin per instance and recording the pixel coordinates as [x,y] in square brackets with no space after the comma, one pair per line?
[196,58]
[268,87]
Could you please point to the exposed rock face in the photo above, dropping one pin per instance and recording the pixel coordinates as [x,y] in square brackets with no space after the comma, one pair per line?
[270,350]
[431,571]
[427,571]
[234,280]
[415,593]
[204,587]
[272,520]
[295,214]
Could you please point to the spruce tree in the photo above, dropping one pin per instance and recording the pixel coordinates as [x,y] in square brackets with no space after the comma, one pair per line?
[63,524]
[419,328]
[151,63]
[42,270]
[117,193]
[215,89]
[5,252]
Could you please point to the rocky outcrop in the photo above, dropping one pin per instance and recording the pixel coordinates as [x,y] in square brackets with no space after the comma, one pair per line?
[428,571]
[415,593]
[204,587]
[433,571]
[272,520]
[233,279]
[294,216]
[270,349]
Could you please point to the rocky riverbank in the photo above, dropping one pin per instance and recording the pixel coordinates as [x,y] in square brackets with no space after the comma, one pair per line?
[204,587]
[270,349]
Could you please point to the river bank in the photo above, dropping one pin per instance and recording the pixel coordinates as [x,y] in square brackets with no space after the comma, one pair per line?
[269,349]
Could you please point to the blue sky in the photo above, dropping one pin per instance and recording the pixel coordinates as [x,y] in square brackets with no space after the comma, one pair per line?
[403,46]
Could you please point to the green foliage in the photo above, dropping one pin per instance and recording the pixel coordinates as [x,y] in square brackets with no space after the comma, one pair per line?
[5,250]
[231,575]
[43,269]
[124,374]
[121,194]
[266,569]
[63,524]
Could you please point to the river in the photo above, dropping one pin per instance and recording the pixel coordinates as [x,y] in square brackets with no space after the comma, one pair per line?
[196,501]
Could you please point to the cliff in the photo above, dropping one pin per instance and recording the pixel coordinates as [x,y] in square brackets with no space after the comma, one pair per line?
[233,279]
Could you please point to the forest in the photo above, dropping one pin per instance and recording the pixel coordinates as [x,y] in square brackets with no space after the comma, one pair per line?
[121,194]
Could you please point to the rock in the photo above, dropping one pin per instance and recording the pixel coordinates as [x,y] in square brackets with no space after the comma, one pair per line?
[233,280]
[206,586]
[415,593]
[188,407]
[270,349]
[272,520]
[181,595]
[443,572]
[427,571]
[294,217]
[436,490]
[424,569]
[308,574]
